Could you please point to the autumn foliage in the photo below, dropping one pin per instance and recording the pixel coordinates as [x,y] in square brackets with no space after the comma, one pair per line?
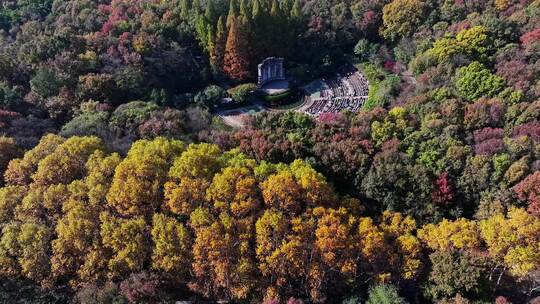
[226,226]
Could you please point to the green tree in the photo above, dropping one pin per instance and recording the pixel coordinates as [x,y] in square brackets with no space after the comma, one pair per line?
[401,18]
[9,97]
[45,83]
[454,272]
[384,294]
[475,81]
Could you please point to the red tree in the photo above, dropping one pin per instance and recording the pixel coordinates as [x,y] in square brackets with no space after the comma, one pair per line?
[236,60]
[529,190]
[444,192]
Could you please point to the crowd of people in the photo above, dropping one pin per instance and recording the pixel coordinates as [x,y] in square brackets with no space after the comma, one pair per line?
[347,91]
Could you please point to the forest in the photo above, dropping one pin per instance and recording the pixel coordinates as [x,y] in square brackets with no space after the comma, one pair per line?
[120,184]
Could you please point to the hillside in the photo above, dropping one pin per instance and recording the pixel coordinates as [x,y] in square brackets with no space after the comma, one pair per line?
[142,161]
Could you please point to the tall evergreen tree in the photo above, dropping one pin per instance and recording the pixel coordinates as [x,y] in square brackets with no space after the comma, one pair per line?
[210,12]
[296,11]
[221,41]
[245,9]
[276,30]
[196,7]
[212,50]
[233,12]
[202,28]
[275,11]
[185,7]
[259,35]
[236,61]
[256,9]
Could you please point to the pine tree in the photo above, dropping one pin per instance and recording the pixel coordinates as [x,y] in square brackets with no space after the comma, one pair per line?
[185,7]
[259,36]
[233,12]
[210,12]
[296,11]
[220,41]
[196,7]
[202,28]
[277,30]
[212,50]
[286,6]
[256,9]
[275,11]
[245,9]
[236,61]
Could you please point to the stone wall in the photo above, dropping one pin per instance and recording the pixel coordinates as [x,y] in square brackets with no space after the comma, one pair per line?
[270,69]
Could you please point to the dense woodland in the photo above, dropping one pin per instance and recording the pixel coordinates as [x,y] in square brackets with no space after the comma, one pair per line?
[118,185]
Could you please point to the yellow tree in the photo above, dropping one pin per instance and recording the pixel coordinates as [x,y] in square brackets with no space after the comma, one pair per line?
[294,188]
[190,176]
[100,169]
[223,253]
[31,208]
[19,171]
[77,250]
[197,161]
[335,253]
[8,151]
[513,241]
[136,188]
[24,249]
[185,196]
[171,252]
[390,250]
[446,235]
[9,250]
[235,190]
[223,265]
[128,241]
[399,231]
[10,198]
[77,235]
[316,190]
[282,192]
[283,249]
[67,162]
[373,248]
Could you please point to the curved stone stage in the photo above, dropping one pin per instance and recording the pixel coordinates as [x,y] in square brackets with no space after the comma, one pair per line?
[275,87]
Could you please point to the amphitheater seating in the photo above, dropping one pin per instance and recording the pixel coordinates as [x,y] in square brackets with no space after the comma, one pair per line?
[348,90]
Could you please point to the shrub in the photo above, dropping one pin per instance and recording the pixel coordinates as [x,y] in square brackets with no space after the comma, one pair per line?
[210,96]
[384,294]
[243,92]
[140,287]
[89,123]
[93,294]
[128,117]
[9,98]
